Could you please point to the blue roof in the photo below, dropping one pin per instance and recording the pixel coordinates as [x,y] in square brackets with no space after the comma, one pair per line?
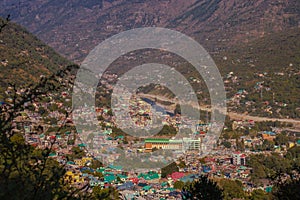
[125,186]
[206,169]
[86,168]
[189,178]
[270,133]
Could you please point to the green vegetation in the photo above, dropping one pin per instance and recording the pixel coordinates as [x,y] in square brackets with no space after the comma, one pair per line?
[232,189]
[267,68]
[259,195]
[167,131]
[288,190]
[105,194]
[203,188]
[274,165]
[24,58]
[179,185]
[169,169]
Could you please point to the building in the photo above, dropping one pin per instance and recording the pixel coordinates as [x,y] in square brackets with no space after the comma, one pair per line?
[268,135]
[185,144]
[73,177]
[238,159]
[83,161]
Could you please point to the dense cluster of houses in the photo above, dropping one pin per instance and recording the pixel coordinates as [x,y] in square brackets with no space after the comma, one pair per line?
[221,163]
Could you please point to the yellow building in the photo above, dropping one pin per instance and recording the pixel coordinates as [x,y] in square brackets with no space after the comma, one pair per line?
[291,144]
[83,161]
[73,178]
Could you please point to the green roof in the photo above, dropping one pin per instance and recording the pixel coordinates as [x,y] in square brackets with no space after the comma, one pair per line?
[119,137]
[170,189]
[107,132]
[159,140]
[269,189]
[147,187]
[115,167]
[243,167]
[101,169]
[108,173]
[52,154]
[82,145]
[163,184]
[298,142]
[68,132]
[109,178]
[149,176]
[122,176]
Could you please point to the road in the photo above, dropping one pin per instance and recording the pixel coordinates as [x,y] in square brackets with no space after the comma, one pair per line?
[232,115]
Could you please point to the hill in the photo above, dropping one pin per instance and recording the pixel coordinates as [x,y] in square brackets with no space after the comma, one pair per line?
[24,57]
[262,77]
[74,27]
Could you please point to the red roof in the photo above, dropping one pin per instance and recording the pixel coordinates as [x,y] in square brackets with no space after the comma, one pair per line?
[177,175]
[134,180]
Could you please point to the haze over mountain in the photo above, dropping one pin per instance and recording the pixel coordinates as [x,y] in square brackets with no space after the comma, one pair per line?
[75,27]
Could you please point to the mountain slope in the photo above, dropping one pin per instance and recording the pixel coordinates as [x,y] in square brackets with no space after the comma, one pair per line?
[24,58]
[271,53]
[261,78]
[75,27]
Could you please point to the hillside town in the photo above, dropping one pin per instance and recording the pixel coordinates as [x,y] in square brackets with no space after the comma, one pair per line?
[98,163]
[150,100]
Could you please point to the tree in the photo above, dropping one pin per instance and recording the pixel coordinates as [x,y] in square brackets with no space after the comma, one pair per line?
[202,189]
[281,139]
[177,109]
[179,185]
[98,174]
[169,169]
[226,136]
[105,194]
[259,195]
[26,172]
[96,164]
[4,22]
[167,130]
[232,189]
[293,155]
[76,153]
[182,164]
[226,144]
[288,190]
[268,145]
[240,145]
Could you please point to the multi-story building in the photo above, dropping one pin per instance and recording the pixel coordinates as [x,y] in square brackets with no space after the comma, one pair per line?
[238,158]
[185,144]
